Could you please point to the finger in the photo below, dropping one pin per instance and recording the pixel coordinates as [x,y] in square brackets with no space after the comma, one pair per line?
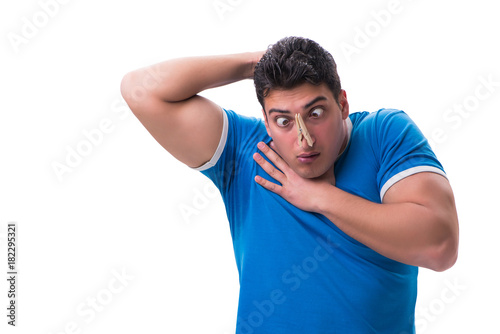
[269,169]
[275,188]
[273,156]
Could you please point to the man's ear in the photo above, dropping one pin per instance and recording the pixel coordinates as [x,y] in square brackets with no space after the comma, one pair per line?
[344,104]
[266,122]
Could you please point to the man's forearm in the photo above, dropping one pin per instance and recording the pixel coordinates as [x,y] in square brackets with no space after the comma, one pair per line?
[179,79]
[417,224]
[406,232]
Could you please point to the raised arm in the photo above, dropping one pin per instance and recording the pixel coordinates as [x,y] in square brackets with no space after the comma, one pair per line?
[164,99]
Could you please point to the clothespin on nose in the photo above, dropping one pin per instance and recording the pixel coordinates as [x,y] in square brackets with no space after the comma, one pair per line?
[302,131]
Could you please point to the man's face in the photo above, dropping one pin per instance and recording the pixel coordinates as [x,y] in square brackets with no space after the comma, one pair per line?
[323,118]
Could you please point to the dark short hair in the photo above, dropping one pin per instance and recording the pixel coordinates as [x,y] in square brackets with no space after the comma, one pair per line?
[293,61]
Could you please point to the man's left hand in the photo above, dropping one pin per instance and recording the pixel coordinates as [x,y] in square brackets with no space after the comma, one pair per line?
[299,191]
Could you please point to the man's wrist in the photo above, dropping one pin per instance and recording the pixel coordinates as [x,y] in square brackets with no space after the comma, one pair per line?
[326,203]
[253,59]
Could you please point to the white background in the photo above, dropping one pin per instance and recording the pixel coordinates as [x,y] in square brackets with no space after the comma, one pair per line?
[119,208]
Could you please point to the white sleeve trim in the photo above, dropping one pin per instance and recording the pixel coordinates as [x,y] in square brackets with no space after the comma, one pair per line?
[220,148]
[408,172]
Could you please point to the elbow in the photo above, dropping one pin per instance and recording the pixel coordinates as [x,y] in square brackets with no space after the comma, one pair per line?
[136,94]
[444,262]
[127,88]
[124,85]
[142,89]
[443,251]
[444,255]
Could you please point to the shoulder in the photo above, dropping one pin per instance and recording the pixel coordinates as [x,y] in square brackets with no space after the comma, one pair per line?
[384,125]
[379,118]
[245,123]
[233,115]
[238,142]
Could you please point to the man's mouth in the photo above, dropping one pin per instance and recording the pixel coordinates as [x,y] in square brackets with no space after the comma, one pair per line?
[308,157]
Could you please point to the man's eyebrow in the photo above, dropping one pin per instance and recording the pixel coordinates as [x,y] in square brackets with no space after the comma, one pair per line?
[317,99]
[279,111]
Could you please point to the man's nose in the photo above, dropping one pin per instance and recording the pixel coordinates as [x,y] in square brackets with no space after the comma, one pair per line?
[302,132]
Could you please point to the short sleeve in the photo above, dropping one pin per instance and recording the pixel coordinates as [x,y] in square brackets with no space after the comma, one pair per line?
[220,147]
[236,146]
[403,149]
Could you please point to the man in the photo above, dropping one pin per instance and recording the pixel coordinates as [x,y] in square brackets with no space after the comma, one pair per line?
[331,220]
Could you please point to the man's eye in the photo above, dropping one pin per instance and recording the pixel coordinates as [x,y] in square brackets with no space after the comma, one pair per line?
[317,112]
[282,121]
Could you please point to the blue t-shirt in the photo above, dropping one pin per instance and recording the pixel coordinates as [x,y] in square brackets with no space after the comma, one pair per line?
[298,272]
